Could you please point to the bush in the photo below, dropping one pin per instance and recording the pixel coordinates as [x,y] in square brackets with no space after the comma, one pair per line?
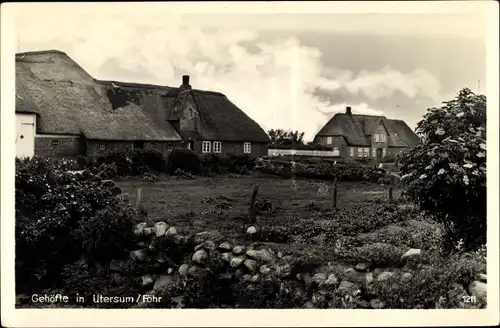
[144,160]
[185,160]
[425,287]
[214,163]
[238,161]
[446,172]
[61,217]
[118,158]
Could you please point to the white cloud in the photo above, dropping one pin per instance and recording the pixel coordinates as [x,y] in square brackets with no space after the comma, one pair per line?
[274,84]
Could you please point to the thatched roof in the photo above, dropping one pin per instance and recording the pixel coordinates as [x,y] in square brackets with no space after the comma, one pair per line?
[220,118]
[70,101]
[358,129]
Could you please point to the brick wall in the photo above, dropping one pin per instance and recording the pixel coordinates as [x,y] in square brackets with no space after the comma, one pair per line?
[93,146]
[229,147]
[58,146]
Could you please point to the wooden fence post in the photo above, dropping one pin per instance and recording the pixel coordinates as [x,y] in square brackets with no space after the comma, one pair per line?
[391,189]
[252,211]
[334,205]
[138,196]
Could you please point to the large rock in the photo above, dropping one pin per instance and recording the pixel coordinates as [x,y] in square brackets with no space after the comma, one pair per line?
[200,257]
[139,228]
[163,282]
[411,253]
[319,277]
[369,278]
[255,278]
[183,270]
[329,284]
[225,246]
[160,228]
[264,269]
[251,230]
[377,304]
[481,277]
[238,250]
[147,281]
[236,262]
[172,231]
[227,257]
[207,245]
[283,271]
[386,275]
[363,266]
[478,289]
[251,265]
[262,255]
[348,288]
[196,272]
[139,255]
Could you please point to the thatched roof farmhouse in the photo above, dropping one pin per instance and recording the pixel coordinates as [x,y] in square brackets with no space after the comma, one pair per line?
[72,113]
[365,136]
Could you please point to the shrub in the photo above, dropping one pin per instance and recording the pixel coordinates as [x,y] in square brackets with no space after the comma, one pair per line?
[215,163]
[61,217]
[446,172]
[119,158]
[388,159]
[185,160]
[425,287]
[238,161]
[143,160]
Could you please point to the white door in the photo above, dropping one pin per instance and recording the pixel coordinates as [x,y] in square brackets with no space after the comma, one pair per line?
[25,135]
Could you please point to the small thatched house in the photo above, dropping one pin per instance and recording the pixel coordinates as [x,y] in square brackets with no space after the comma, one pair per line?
[365,136]
[63,111]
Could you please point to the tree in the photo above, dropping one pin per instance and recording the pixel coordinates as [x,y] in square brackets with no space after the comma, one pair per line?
[282,137]
[446,172]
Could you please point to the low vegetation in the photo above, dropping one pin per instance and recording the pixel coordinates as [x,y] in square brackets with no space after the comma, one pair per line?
[178,227]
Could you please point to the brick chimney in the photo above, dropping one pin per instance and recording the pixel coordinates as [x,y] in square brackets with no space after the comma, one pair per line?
[185,82]
[348,110]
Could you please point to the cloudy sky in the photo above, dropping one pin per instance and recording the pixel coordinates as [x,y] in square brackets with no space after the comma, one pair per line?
[287,70]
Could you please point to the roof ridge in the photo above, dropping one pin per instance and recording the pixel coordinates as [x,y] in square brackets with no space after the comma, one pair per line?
[41,52]
[158,86]
[380,116]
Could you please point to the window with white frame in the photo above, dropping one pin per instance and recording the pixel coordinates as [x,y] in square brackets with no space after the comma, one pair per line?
[329,140]
[383,152]
[382,137]
[360,152]
[205,147]
[351,151]
[375,137]
[374,152]
[366,152]
[217,146]
[102,147]
[247,147]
